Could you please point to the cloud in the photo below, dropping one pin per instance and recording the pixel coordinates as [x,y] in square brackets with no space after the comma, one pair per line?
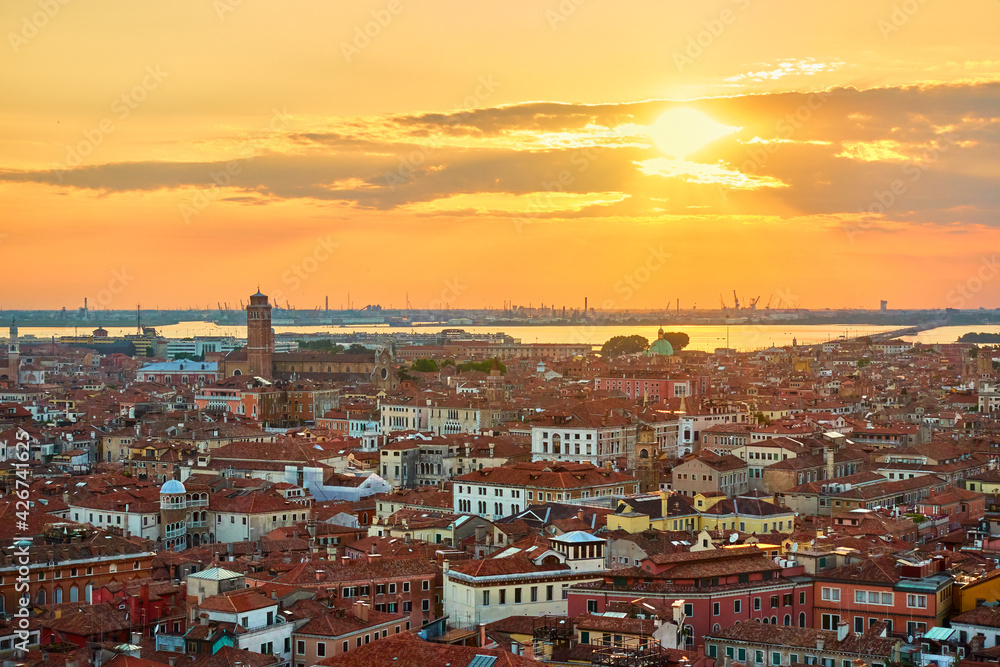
[796,154]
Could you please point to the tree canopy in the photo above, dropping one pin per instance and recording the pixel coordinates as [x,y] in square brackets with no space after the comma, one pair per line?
[620,345]
[677,339]
[425,366]
[483,366]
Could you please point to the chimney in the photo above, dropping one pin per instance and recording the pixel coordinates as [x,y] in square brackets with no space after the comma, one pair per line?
[136,638]
[319,575]
[482,635]
[820,643]
[529,651]
[842,632]
[361,611]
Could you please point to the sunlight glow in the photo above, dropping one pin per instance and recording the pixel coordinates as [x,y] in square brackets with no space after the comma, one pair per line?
[681,131]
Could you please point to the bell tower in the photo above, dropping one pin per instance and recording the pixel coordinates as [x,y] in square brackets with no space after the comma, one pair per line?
[13,355]
[260,338]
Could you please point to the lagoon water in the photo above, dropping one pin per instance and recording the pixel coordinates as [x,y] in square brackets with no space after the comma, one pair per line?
[703,337]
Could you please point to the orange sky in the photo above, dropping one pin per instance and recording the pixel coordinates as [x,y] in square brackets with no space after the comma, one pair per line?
[474,153]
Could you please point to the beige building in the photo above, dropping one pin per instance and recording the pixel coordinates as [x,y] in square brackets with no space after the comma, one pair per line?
[707,472]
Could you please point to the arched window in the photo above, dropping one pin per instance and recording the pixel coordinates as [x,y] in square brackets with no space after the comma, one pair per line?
[89,590]
[58,595]
[774,620]
[788,619]
[802,620]
[74,593]
[41,596]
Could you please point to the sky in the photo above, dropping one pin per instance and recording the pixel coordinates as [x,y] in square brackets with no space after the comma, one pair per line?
[466,155]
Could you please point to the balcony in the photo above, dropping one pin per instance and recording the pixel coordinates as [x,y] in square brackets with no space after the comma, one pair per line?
[176,532]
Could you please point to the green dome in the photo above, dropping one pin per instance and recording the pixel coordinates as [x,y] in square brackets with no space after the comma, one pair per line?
[661,347]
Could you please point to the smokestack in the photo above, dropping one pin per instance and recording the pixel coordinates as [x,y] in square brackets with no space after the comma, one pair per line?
[482,635]
[585,306]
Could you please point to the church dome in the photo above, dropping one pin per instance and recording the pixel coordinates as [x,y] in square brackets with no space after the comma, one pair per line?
[661,348]
[172,486]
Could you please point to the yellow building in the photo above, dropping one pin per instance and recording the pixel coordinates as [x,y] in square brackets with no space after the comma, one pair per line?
[747,515]
[965,597]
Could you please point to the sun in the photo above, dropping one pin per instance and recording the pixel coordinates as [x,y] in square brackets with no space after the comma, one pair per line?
[681,131]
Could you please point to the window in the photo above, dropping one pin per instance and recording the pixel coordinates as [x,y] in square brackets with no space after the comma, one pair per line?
[756,604]
[503,596]
[426,585]
[534,593]
[392,588]
[346,646]
[711,650]
[916,601]
[741,655]
[688,609]
[737,606]
[321,649]
[786,600]
[831,621]
[831,594]
[802,597]
[548,593]
[425,604]
[716,609]
[486,598]
[517,596]
[591,606]
[774,602]
[406,587]
[859,624]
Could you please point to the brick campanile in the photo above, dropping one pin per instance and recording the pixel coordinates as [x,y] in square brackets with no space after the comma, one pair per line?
[260,339]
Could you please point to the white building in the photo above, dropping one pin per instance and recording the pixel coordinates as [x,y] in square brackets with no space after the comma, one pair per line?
[266,631]
[493,493]
[522,582]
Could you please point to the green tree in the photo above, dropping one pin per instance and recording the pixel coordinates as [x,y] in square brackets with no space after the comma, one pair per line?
[355,348]
[482,366]
[425,366]
[864,361]
[677,339]
[620,345]
[325,345]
